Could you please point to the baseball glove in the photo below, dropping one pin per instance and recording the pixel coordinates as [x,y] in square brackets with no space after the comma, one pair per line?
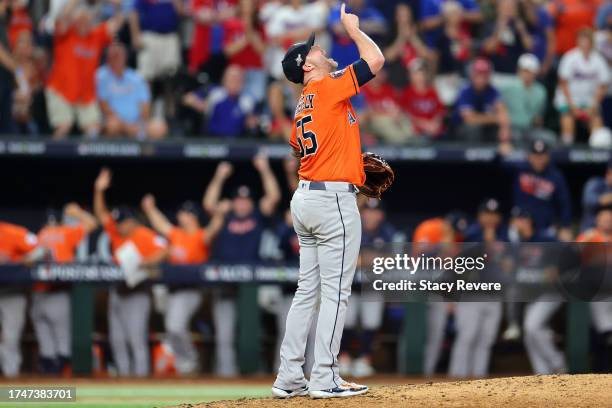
[379,175]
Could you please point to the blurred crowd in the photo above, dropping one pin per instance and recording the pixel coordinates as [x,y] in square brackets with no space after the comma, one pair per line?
[459,70]
[243,228]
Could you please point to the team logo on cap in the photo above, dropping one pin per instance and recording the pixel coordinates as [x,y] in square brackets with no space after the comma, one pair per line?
[298,60]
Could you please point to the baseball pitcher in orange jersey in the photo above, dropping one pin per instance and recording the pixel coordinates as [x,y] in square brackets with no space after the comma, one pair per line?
[324,209]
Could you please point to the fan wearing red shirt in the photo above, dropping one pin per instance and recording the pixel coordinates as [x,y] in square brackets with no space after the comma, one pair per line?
[382,115]
[421,102]
[205,15]
[243,45]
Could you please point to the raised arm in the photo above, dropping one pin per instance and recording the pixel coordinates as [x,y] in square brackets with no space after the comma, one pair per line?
[272,194]
[87,220]
[216,222]
[157,219]
[368,50]
[100,186]
[213,192]
[64,18]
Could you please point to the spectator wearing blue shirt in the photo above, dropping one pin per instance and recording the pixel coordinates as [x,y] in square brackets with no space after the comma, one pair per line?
[481,113]
[371,22]
[541,190]
[432,20]
[597,193]
[227,109]
[124,97]
[154,30]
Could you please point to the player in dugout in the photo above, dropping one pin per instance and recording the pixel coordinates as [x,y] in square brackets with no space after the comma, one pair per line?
[128,307]
[60,238]
[189,244]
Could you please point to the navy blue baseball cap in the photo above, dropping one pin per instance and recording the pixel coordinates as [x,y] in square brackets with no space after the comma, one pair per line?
[374,204]
[53,216]
[457,220]
[294,60]
[242,192]
[538,146]
[190,207]
[123,213]
[490,205]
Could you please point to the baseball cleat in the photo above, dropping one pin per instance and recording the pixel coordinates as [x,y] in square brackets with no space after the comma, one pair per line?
[283,394]
[346,389]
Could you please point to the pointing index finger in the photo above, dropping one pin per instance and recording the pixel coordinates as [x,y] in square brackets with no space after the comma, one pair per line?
[343,9]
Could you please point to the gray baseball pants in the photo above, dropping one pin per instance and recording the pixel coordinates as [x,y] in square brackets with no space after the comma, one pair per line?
[477,325]
[128,316]
[538,336]
[12,320]
[182,305]
[328,226]
[50,314]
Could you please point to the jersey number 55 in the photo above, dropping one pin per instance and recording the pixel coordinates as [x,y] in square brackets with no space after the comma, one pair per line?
[304,135]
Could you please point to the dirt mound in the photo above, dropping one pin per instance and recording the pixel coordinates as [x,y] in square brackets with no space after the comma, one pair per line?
[551,391]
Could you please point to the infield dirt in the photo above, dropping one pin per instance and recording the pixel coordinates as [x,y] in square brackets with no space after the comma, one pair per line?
[589,390]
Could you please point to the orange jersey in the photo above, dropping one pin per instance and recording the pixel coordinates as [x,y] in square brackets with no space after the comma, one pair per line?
[326,132]
[146,241]
[62,241]
[15,242]
[75,61]
[187,248]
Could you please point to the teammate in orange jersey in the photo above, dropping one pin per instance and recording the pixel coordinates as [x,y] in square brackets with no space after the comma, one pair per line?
[129,308]
[17,245]
[50,312]
[326,218]
[189,243]
[435,231]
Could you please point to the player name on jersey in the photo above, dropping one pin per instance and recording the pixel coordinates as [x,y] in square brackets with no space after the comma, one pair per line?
[305,102]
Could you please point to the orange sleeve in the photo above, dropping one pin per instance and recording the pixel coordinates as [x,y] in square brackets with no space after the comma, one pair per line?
[25,240]
[339,86]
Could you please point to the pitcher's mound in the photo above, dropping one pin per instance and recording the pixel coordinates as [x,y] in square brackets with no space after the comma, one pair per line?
[550,391]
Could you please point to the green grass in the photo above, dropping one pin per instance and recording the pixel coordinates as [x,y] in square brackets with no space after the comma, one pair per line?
[148,396]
